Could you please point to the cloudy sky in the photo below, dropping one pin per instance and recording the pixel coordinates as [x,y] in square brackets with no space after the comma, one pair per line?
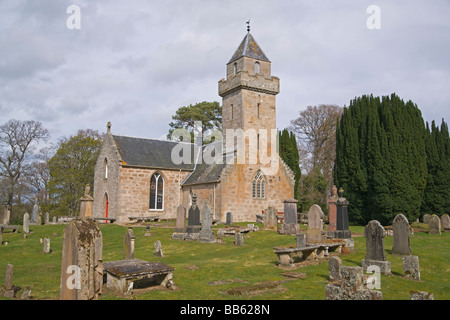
[135,62]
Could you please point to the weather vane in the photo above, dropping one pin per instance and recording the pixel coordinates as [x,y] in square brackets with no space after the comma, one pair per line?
[248,26]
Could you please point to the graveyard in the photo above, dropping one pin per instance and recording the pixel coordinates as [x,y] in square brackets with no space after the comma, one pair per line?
[223,270]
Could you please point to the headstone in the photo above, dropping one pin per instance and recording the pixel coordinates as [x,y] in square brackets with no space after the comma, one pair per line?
[5,217]
[86,203]
[193,227]
[290,224]
[445,221]
[47,245]
[374,233]
[300,240]
[411,267]
[128,244]
[54,220]
[435,225]
[332,213]
[158,249]
[9,288]
[229,220]
[351,287]
[46,218]
[420,295]
[34,213]
[401,244]
[426,218]
[206,233]
[334,266]
[315,225]
[82,261]
[238,238]
[270,219]
[180,227]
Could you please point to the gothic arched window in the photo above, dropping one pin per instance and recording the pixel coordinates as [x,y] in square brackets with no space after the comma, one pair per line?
[156,192]
[259,186]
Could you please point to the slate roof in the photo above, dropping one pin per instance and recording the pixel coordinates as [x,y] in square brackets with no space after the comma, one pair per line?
[249,48]
[151,153]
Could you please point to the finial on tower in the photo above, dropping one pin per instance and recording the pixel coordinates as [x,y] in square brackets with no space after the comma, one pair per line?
[248,26]
[108,127]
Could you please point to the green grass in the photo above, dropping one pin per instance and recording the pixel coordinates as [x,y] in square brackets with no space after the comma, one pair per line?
[253,263]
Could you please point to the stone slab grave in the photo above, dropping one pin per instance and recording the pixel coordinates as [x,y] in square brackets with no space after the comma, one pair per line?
[123,276]
[375,233]
[206,233]
[287,256]
[411,267]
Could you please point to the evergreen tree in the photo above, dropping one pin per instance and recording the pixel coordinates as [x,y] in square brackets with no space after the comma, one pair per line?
[380,158]
[436,199]
[289,153]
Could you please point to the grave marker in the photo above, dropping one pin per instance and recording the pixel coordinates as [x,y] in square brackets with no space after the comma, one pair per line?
[315,225]
[435,225]
[290,224]
[401,245]
[374,233]
[270,219]
[206,233]
[82,261]
[128,244]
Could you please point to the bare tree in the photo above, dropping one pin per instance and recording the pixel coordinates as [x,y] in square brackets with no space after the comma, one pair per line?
[315,129]
[16,143]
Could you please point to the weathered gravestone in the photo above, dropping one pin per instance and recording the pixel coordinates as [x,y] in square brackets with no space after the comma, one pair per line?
[47,248]
[435,225]
[206,233]
[315,225]
[26,223]
[86,203]
[238,238]
[180,227]
[229,220]
[34,213]
[46,218]
[426,218]
[334,266]
[82,261]
[193,227]
[351,287]
[5,215]
[401,244]
[290,224]
[445,221]
[128,244]
[270,219]
[374,233]
[411,267]
[9,288]
[158,249]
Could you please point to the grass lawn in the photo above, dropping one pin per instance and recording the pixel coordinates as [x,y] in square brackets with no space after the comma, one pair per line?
[219,267]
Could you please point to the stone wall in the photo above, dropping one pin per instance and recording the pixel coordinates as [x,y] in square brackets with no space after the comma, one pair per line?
[135,192]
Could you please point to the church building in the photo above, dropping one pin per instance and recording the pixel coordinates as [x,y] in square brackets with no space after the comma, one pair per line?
[137,177]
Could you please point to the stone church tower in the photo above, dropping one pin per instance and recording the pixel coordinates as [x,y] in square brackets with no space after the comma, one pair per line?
[137,177]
